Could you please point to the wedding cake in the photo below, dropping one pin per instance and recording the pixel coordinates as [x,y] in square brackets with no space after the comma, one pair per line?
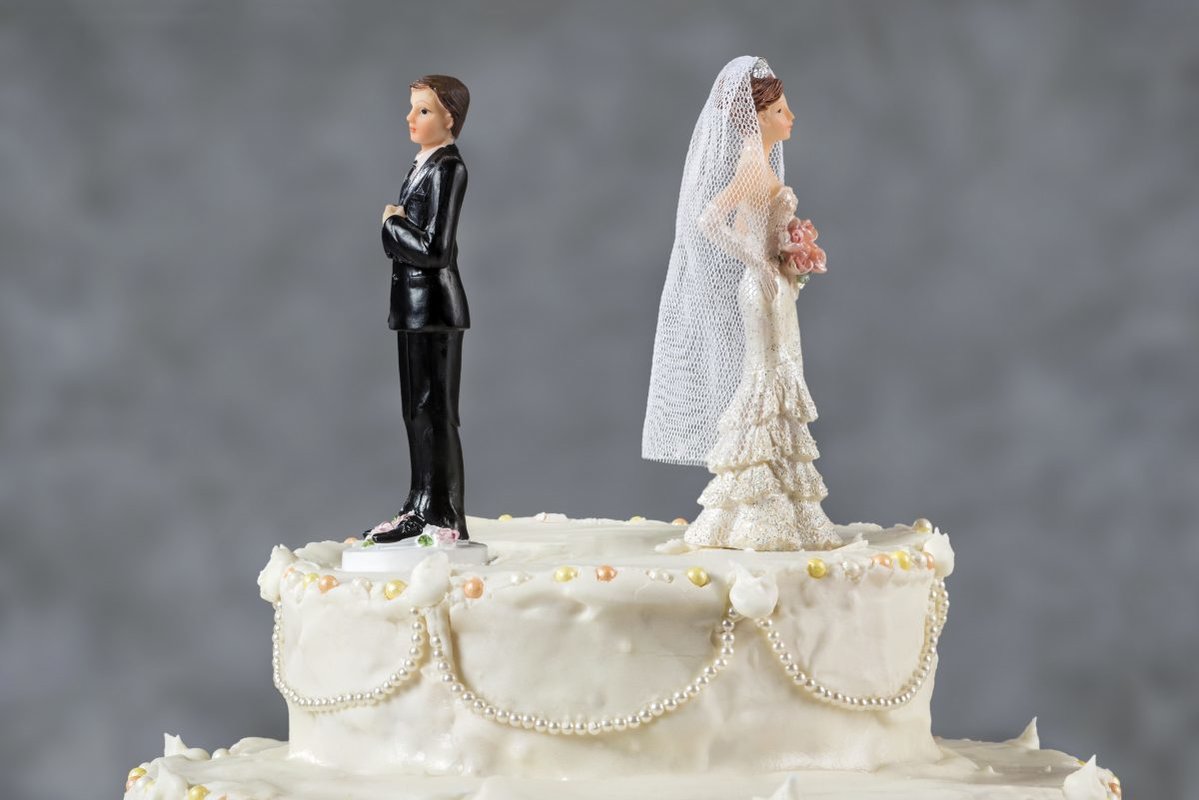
[593,657]
[761,652]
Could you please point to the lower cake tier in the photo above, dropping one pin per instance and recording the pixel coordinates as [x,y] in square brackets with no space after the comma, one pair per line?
[262,769]
[585,649]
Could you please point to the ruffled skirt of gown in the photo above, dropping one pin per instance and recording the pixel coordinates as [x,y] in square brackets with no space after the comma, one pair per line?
[765,492]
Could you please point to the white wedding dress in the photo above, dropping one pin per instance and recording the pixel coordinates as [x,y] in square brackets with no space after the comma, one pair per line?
[766,491]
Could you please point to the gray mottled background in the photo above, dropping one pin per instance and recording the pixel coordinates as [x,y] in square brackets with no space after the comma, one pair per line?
[194,362]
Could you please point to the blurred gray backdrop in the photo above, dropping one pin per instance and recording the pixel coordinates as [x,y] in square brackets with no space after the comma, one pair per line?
[195,365]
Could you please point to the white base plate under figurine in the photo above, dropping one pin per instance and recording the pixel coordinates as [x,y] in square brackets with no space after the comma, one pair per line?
[406,554]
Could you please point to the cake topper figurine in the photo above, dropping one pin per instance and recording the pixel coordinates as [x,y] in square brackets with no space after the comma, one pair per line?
[429,314]
[727,386]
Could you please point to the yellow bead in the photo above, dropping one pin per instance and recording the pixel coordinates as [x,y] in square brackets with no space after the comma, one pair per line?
[197,793]
[605,573]
[326,583]
[311,578]
[817,568]
[678,521]
[473,588]
[922,526]
[699,576]
[505,517]
[564,574]
[636,519]
[903,559]
[393,589]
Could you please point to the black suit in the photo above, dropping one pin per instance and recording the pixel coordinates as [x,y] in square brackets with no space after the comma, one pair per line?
[429,314]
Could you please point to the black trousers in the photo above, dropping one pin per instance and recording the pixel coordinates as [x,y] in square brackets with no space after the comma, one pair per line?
[430,375]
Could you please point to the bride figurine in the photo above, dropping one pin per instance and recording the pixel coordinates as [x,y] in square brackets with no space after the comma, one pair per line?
[727,386]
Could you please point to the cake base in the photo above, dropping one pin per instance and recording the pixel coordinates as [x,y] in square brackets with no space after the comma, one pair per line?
[260,769]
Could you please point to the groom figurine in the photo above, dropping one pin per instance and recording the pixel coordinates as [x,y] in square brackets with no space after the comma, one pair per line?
[428,310]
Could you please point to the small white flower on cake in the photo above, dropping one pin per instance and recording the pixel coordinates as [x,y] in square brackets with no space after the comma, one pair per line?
[753,597]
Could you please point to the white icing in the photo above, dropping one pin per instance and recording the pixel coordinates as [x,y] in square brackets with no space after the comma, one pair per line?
[272,574]
[673,547]
[789,790]
[1085,783]
[261,769]
[585,648]
[1029,737]
[430,581]
[538,644]
[937,545]
[174,746]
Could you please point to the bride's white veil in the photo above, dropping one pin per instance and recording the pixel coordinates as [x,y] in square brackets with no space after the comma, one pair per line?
[721,224]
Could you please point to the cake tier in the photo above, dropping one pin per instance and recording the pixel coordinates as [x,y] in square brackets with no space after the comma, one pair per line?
[261,769]
[588,648]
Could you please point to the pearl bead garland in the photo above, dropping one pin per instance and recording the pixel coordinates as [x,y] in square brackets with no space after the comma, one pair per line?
[934,622]
[938,607]
[406,672]
[579,725]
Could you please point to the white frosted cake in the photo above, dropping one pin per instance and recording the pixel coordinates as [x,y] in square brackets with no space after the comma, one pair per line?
[592,658]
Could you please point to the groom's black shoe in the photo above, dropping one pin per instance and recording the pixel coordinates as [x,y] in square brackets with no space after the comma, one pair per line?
[411,525]
[403,525]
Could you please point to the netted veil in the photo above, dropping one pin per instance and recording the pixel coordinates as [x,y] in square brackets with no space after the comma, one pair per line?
[720,230]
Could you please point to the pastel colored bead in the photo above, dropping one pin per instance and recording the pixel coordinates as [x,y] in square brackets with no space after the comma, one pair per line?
[929,561]
[393,589]
[564,574]
[505,517]
[311,577]
[326,583]
[605,573]
[135,775]
[922,525]
[817,568]
[699,576]
[197,793]
[473,588]
[350,540]
[882,560]
[637,518]
[678,521]
[902,559]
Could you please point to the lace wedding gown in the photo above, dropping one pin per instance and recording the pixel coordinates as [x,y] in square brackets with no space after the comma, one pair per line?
[766,492]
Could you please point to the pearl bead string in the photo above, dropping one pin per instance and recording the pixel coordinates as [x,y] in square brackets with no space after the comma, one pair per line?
[406,671]
[938,607]
[934,622]
[579,725]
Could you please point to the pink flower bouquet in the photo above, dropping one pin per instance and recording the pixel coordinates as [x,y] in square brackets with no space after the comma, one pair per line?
[798,252]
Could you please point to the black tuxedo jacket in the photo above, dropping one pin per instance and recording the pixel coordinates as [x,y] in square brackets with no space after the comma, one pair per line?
[426,290]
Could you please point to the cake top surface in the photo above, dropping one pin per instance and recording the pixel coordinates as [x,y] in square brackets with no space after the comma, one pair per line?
[557,545]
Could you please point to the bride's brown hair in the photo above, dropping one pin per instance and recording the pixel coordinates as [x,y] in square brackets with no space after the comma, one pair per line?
[765,91]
